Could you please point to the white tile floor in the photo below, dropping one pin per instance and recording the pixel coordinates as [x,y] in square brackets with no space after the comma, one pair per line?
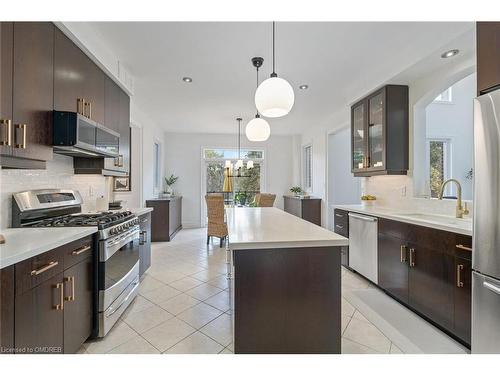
[183,306]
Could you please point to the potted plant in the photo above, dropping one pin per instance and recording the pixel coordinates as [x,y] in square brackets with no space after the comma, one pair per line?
[296,190]
[241,198]
[169,181]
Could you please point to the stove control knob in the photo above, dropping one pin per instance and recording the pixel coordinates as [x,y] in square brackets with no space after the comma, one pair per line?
[112,231]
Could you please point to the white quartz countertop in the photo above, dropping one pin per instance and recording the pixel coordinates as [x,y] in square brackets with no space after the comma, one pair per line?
[442,222]
[24,243]
[270,227]
[140,210]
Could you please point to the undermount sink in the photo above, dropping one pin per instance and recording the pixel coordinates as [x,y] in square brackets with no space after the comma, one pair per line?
[436,218]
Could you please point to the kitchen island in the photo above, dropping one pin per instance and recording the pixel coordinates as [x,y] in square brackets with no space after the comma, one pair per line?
[286,283]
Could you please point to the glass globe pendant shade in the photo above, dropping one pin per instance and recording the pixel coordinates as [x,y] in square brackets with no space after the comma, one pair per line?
[250,164]
[257,130]
[274,97]
[239,164]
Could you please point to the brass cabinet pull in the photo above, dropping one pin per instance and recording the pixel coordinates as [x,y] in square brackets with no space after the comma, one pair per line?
[60,306]
[80,103]
[7,141]
[463,247]
[403,253]
[72,296]
[81,250]
[412,257]
[85,109]
[460,283]
[90,110]
[44,268]
[21,127]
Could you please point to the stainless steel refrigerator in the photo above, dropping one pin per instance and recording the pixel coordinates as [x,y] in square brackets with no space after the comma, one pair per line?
[486,231]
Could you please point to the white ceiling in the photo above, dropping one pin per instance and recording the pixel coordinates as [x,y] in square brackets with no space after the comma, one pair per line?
[339,61]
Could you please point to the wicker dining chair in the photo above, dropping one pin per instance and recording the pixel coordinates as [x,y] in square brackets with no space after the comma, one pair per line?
[215,211]
[264,199]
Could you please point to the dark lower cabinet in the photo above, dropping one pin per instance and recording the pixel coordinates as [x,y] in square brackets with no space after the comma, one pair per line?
[39,319]
[428,270]
[393,266]
[144,243]
[166,219]
[463,300]
[77,305]
[306,208]
[430,284]
[341,226]
[47,301]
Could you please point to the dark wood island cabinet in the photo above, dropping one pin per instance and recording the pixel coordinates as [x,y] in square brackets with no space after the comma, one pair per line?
[166,219]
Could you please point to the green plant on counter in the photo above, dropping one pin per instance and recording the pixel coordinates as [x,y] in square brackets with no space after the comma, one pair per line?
[169,181]
[296,190]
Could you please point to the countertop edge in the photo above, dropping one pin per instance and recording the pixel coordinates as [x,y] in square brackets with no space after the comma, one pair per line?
[14,259]
[285,245]
[396,217]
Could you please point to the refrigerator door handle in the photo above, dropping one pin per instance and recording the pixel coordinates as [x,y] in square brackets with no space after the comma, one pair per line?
[492,287]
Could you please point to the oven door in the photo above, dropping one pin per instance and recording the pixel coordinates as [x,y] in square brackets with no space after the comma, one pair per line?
[118,265]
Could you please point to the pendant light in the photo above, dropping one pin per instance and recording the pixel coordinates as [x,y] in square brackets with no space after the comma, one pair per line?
[274,97]
[257,130]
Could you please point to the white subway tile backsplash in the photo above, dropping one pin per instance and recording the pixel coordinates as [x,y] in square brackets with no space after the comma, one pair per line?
[59,174]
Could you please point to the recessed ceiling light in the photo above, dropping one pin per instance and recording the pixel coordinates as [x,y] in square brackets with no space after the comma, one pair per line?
[187,79]
[303,87]
[450,53]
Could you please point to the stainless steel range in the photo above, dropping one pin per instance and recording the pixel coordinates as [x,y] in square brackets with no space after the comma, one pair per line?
[116,281]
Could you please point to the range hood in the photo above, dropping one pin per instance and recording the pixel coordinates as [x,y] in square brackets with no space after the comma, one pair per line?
[78,136]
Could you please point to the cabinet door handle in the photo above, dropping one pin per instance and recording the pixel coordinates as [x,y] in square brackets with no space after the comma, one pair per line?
[146,237]
[7,141]
[141,238]
[339,226]
[80,106]
[339,215]
[44,268]
[60,306]
[81,250]
[90,110]
[21,127]
[412,257]
[463,247]
[403,253]
[460,267]
[72,296]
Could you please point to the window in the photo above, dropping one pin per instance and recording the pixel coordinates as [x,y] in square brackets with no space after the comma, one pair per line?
[244,188]
[157,167]
[444,97]
[439,165]
[307,168]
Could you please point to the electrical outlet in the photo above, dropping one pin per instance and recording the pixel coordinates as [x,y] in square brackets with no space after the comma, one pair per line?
[403,191]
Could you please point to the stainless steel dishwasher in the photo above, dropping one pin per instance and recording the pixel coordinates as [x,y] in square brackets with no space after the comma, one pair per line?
[363,233]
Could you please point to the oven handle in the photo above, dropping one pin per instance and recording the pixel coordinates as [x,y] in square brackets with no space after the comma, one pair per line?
[124,300]
[111,247]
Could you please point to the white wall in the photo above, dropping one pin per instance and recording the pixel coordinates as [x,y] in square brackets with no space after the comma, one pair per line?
[343,187]
[454,121]
[183,157]
[318,140]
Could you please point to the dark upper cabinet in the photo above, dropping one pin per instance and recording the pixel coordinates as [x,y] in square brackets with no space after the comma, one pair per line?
[111,105]
[6,51]
[488,56]
[76,77]
[125,138]
[379,132]
[27,93]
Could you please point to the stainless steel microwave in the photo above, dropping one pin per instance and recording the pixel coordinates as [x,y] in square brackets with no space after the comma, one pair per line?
[77,135]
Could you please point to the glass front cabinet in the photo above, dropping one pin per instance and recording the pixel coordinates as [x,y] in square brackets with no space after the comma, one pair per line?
[379,132]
